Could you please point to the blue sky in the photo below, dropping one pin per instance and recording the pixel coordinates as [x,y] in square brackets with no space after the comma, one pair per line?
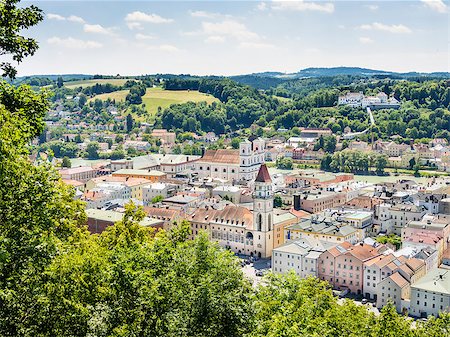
[236,37]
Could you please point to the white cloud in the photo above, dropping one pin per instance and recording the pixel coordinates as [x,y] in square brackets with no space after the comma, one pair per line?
[72,43]
[215,39]
[203,14]
[230,28]
[256,45]
[436,5]
[138,16]
[75,18]
[72,18]
[57,17]
[365,40]
[142,37]
[262,6]
[135,25]
[302,5]
[97,29]
[396,29]
[373,8]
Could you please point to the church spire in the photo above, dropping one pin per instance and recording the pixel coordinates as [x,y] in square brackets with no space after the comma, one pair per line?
[263,175]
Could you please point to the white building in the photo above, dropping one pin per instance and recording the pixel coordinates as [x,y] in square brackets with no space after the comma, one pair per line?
[431,294]
[236,227]
[300,255]
[237,165]
[157,189]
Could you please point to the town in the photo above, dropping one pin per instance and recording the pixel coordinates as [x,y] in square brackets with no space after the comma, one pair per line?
[224,168]
[380,238]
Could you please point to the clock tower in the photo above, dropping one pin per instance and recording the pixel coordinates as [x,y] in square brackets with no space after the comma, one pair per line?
[263,201]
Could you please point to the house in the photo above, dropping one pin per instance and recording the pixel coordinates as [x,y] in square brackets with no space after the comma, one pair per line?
[343,265]
[431,294]
[392,280]
[98,220]
[82,173]
[164,136]
[149,192]
[316,201]
[322,228]
[301,256]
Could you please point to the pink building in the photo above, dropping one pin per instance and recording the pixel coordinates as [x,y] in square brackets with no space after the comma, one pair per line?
[343,266]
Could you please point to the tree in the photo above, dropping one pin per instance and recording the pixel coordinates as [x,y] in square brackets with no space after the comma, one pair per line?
[412,163]
[13,20]
[98,105]
[92,150]
[380,163]
[130,123]
[59,82]
[66,162]
[330,144]
[235,142]
[119,139]
[157,199]
[277,201]
[284,163]
[82,100]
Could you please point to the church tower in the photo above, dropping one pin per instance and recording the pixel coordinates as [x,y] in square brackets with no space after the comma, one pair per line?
[263,201]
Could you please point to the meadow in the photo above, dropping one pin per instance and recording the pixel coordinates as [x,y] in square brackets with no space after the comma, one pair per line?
[89,83]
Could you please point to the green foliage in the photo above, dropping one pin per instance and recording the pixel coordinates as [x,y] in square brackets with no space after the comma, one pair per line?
[157,199]
[66,162]
[92,150]
[13,20]
[235,143]
[37,212]
[277,201]
[284,163]
[353,162]
[130,123]
[392,239]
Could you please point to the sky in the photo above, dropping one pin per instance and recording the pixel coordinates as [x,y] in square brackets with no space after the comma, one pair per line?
[238,37]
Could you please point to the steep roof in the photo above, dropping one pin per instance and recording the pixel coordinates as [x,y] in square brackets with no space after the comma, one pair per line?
[399,279]
[263,175]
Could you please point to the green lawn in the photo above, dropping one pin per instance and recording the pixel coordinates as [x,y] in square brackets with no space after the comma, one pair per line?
[119,96]
[158,97]
[89,83]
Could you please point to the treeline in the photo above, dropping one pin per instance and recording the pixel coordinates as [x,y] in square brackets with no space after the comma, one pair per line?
[239,108]
[353,162]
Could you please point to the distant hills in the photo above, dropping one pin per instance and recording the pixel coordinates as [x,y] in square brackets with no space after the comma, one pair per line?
[268,79]
[350,71]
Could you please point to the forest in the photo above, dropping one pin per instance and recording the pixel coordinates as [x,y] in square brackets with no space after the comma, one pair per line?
[424,113]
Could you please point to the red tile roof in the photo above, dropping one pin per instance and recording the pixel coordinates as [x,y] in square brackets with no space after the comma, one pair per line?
[221,156]
[263,175]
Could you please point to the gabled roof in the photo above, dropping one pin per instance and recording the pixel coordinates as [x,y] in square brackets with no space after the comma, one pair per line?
[263,175]
[223,156]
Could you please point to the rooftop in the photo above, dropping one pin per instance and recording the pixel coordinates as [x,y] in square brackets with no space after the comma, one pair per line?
[148,173]
[263,175]
[437,280]
[221,156]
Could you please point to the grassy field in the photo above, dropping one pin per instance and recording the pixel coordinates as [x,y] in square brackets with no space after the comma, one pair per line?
[157,97]
[119,96]
[89,83]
